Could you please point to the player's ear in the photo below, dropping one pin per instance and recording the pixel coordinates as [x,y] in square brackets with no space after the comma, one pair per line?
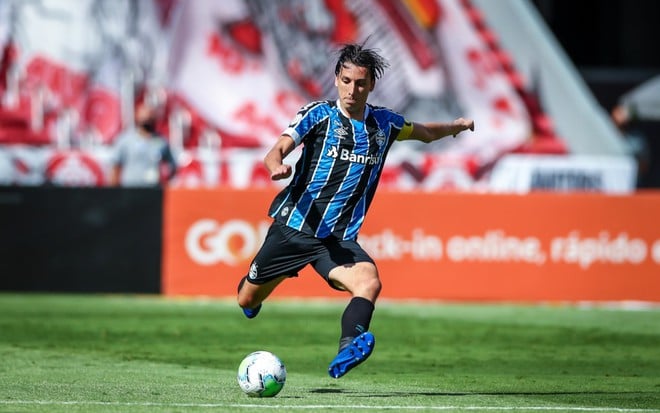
[373,85]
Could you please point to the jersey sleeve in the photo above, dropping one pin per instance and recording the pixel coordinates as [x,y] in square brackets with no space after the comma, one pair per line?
[304,121]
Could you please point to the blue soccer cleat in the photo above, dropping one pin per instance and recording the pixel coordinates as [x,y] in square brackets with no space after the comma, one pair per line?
[251,312]
[352,355]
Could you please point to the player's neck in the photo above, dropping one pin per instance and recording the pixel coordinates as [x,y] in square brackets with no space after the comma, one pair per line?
[356,114]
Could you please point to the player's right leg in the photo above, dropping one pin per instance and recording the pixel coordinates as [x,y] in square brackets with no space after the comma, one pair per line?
[284,252]
[250,296]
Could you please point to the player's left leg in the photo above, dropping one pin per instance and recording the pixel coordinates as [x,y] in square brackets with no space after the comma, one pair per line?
[361,280]
[356,343]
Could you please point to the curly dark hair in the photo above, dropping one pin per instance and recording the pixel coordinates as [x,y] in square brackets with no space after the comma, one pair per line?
[363,57]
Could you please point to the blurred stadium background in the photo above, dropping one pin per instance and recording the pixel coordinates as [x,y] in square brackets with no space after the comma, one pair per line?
[557,198]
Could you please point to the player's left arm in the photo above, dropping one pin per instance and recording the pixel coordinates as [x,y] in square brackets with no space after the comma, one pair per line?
[432,131]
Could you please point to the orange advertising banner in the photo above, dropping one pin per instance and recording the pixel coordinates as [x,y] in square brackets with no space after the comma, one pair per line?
[440,246]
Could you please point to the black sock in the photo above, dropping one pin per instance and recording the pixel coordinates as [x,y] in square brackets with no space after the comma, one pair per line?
[355,320]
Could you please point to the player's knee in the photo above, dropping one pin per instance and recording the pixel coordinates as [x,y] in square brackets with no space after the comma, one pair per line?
[246,300]
[368,287]
[373,286]
[365,282]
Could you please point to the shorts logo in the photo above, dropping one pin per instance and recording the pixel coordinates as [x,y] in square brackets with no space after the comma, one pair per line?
[285,211]
[252,274]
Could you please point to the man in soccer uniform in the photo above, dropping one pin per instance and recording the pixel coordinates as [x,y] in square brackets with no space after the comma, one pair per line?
[317,217]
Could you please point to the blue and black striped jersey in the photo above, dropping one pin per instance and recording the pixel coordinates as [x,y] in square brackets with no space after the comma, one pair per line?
[336,177]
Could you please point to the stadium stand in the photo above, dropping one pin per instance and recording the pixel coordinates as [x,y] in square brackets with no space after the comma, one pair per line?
[228,93]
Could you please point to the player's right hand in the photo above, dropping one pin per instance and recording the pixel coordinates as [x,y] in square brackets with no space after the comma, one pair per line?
[281,172]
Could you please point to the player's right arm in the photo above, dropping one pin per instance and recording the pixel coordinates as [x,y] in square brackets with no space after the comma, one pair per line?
[275,157]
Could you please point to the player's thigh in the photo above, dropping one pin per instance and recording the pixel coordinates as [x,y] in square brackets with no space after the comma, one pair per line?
[284,253]
[255,293]
[346,266]
[360,278]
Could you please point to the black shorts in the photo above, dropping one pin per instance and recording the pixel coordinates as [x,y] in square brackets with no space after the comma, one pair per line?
[286,251]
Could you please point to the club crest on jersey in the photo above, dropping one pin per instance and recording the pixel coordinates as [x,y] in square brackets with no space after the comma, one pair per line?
[380,137]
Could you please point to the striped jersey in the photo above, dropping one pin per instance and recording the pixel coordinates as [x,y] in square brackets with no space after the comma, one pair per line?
[336,176]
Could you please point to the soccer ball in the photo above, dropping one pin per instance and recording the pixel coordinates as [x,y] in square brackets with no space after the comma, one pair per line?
[261,374]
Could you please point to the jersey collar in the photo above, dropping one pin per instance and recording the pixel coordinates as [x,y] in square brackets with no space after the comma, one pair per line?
[366,111]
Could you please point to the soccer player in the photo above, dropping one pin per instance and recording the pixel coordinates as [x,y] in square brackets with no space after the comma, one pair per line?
[317,217]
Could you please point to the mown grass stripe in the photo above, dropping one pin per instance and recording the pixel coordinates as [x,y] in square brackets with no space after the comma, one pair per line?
[321,406]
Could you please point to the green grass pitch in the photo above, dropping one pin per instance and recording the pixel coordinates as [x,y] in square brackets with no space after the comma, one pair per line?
[115,353]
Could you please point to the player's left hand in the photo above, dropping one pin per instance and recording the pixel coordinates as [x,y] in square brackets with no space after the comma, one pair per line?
[462,124]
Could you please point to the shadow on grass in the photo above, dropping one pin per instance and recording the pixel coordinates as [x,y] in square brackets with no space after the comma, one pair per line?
[352,393]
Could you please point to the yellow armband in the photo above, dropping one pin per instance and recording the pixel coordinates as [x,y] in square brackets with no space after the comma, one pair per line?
[405,131]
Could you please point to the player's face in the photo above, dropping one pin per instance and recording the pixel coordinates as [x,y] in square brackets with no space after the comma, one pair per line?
[354,83]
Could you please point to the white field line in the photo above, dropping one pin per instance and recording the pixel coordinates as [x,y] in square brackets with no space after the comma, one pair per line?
[321,406]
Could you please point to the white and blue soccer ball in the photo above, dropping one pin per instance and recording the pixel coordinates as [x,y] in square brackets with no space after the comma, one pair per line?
[261,374]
